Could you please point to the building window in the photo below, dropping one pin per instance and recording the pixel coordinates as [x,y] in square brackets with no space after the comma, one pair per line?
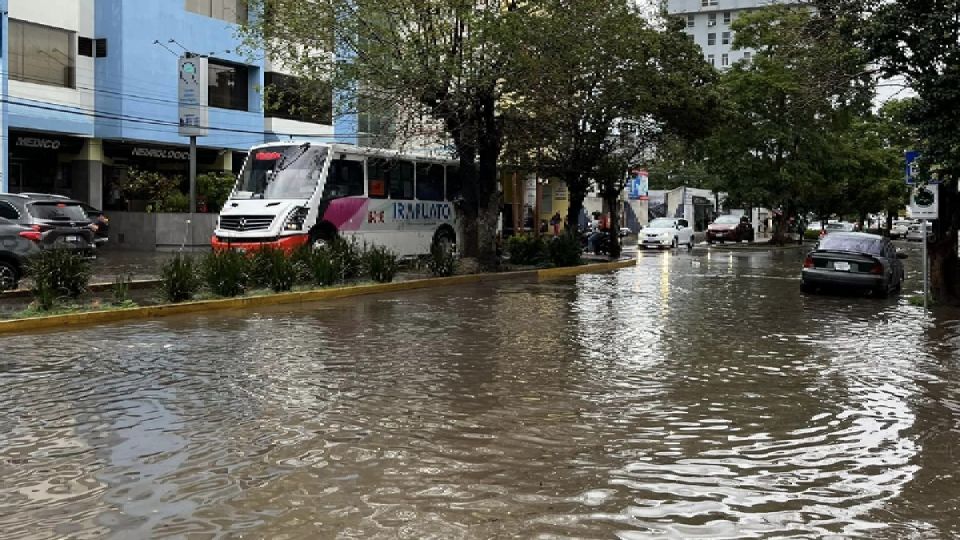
[710,60]
[374,122]
[41,54]
[233,11]
[712,38]
[726,17]
[296,99]
[713,2]
[746,56]
[724,59]
[725,38]
[712,19]
[228,85]
[691,21]
[92,47]
[704,3]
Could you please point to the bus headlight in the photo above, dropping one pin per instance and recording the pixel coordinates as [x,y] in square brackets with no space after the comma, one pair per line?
[295,219]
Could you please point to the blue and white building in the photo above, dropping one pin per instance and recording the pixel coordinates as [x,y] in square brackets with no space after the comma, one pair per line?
[90,90]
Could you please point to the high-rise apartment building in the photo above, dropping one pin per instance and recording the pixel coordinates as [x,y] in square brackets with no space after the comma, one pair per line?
[708,22]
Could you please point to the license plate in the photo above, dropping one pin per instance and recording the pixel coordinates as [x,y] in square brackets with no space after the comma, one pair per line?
[72,239]
[842,266]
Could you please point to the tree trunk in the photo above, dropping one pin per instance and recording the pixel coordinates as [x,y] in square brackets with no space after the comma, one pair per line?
[614,230]
[576,206]
[944,265]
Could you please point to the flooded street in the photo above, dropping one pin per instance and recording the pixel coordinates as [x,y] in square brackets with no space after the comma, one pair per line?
[696,395]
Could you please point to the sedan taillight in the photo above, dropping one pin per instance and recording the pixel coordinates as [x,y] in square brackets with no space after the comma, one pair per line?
[877,268]
[808,262]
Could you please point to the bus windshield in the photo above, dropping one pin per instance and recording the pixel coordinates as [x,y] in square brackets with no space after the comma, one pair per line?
[281,172]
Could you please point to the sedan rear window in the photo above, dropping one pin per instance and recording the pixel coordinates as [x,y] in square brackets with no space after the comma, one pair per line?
[729,220]
[57,211]
[854,244]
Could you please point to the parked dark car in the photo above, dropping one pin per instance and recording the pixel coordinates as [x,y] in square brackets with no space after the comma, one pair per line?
[851,260]
[31,223]
[728,228]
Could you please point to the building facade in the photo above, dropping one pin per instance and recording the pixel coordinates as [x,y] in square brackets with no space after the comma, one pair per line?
[90,90]
[708,23]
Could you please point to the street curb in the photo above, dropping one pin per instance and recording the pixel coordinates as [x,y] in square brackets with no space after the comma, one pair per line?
[134,285]
[300,297]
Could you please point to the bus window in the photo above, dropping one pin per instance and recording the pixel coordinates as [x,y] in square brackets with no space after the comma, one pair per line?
[345,179]
[454,188]
[401,179]
[378,175]
[429,182]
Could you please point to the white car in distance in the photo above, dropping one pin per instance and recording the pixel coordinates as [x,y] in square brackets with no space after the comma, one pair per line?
[666,233]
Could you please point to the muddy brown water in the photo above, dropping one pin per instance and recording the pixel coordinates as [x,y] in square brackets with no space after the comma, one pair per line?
[696,395]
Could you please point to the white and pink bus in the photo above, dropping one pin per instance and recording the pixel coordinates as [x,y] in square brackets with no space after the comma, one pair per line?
[290,194]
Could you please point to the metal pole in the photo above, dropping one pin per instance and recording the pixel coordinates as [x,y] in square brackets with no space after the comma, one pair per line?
[193,174]
[926,264]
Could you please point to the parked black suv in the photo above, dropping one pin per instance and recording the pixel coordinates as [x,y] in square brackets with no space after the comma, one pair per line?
[30,223]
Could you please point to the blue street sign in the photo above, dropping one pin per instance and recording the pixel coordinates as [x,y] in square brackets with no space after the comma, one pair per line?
[912,173]
[912,170]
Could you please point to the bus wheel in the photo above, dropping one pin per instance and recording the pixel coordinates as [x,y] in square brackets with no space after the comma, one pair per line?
[322,236]
[444,242]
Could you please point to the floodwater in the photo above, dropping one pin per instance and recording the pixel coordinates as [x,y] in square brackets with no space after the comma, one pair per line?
[696,395]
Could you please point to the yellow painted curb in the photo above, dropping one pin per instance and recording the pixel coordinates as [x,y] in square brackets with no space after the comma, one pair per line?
[150,312]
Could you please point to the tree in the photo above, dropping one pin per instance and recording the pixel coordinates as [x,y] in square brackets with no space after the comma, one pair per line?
[788,114]
[917,40]
[596,87]
[444,60]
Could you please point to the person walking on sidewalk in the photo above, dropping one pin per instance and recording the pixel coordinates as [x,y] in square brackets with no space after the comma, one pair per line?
[555,221]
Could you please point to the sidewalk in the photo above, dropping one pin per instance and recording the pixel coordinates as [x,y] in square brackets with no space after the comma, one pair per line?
[112,263]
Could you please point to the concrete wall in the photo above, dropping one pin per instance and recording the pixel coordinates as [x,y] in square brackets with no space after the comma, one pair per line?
[157,231]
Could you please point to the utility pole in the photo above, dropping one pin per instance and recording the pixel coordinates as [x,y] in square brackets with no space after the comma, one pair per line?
[193,174]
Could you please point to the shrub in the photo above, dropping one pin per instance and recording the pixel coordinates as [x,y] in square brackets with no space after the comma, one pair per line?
[272,268]
[565,250]
[349,256]
[811,235]
[58,273]
[225,272]
[441,262]
[174,202]
[381,264]
[525,249]
[215,188]
[178,279]
[323,267]
[121,289]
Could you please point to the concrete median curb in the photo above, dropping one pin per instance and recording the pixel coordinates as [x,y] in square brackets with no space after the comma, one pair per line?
[87,318]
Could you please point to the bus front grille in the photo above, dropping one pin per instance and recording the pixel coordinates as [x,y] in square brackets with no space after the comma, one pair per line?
[245,223]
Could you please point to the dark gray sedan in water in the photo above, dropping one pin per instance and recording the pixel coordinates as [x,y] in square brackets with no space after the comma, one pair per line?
[849,260]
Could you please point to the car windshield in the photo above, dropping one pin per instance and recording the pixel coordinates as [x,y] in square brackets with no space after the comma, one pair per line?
[837,226]
[281,172]
[853,244]
[662,223]
[57,211]
[727,220]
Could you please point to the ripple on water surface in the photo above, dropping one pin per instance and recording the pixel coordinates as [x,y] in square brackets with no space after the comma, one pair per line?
[672,399]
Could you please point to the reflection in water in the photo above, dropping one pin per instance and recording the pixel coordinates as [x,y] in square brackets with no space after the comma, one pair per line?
[696,395]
